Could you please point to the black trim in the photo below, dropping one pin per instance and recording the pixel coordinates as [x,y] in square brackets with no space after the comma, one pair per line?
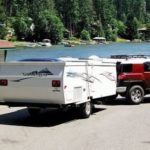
[128,56]
[5,55]
[129,83]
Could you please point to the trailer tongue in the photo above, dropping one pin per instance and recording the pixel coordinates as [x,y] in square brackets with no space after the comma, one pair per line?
[41,84]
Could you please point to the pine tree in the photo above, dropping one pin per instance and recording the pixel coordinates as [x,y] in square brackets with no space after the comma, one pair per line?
[68,10]
[86,14]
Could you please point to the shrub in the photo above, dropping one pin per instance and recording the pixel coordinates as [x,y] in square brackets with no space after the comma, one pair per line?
[85,35]
[73,38]
[3,32]
[13,38]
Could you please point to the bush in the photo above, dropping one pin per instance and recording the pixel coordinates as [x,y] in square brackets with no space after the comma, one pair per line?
[3,32]
[13,38]
[111,35]
[85,35]
[73,38]
[114,37]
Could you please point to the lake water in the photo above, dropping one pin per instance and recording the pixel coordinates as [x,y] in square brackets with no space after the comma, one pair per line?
[82,51]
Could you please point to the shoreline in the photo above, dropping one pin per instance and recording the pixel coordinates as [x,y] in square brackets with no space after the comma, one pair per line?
[72,43]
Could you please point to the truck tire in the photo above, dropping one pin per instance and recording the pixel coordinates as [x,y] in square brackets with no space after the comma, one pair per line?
[86,110]
[33,111]
[135,94]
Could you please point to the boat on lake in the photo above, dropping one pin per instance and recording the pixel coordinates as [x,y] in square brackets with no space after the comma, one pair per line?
[45,42]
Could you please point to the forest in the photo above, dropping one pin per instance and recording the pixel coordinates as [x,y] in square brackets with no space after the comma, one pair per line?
[34,20]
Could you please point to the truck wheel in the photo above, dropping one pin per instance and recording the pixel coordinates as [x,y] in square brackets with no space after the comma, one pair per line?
[33,111]
[86,109]
[135,94]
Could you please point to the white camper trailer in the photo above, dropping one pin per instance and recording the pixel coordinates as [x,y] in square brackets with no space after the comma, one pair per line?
[37,84]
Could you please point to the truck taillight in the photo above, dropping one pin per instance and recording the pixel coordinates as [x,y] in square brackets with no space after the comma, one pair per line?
[3,82]
[121,76]
[56,83]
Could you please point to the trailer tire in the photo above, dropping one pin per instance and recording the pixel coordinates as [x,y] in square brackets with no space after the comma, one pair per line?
[135,94]
[33,111]
[86,109]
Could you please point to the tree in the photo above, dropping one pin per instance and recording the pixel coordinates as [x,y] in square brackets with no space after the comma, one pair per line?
[132,27]
[105,12]
[86,15]
[140,10]
[98,17]
[21,25]
[85,35]
[147,5]
[68,10]
[49,26]
[2,13]
[121,28]
[38,6]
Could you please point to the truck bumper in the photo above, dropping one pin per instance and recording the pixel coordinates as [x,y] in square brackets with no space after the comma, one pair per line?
[121,89]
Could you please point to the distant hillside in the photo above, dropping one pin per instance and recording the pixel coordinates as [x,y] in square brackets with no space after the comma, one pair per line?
[85,19]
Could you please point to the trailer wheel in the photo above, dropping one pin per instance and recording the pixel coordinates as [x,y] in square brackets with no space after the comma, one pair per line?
[33,111]
[86,109]
[135,94]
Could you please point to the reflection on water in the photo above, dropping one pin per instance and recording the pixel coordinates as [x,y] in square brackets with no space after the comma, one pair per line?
[81,51]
